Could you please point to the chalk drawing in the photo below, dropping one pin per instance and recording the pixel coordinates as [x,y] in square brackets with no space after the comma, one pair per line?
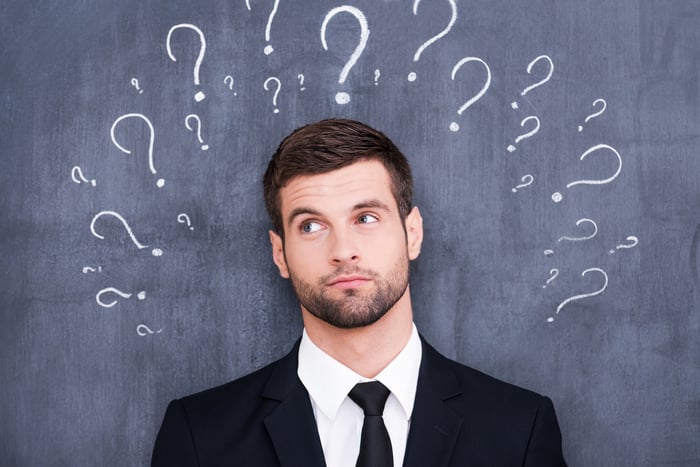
[151,165]
[633,241]
[539,83]
[88,269]
[77,175]
[268,48]
[143,330]
[300,77]
[229,81]
[277,91]
[549,252]
[98,298]
[585,295]
[453,18]
[377,74]
[199,96]
[528,134]
[454,126]
[557,197]
[553,273]
[527,181]
[139,245]
[199,129]
[135,83]
[586,237]
[595,114]
[344,97]
[183,218]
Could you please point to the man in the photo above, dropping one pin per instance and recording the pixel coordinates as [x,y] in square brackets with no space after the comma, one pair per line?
[339,195]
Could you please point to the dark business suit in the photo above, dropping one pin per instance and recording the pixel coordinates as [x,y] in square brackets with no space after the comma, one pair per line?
[461,417]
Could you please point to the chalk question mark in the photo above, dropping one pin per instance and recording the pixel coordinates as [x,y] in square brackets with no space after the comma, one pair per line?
[596,114]
[77,175]
[557,197]
[344,97]
[143,330]
[229,80]
[154,252]
[199,129]
[527,181]
[199,96]
[183,218]
[514,104]
[585,295]
[553,273]
[88,269]
[377,74]
[277,91]
[633,241]
[454,126]
[580,239]
[151,166]
[453,5]
[268,48]
[526,135]
[98,298]
[135,83]
[300,77]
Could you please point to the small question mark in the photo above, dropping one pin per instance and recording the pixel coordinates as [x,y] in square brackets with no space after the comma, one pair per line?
[633,243]
[582,296]
[440,35]
[199,96]
[151,166]
[300,77]
[199,129]
[143,330]
[88,269]
[135,83]
[344,97]
[514,104]
[141,295]
[557,197]
[527,181]
[229,80]
[183,218]
[277,91]
[154,252]
[377,74]
[77,175]
[555,273]
[268,48]
[511,147]
[454,126]
[596,114]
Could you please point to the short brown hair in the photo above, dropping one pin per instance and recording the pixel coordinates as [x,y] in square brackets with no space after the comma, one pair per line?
[330,145]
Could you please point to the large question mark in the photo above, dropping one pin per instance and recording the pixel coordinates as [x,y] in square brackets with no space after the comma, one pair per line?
[154,252]
[183,218]
[199,129]
[526,135]
[277,91]
[585,295]
[77,175]
[268,48]
[527,181]
[514,104]
[344,97]
[151,166]
[595,114]
[576,239]
[202,48]
[454,126]
[98,298]
[633,241]
[440,35]
[557,197]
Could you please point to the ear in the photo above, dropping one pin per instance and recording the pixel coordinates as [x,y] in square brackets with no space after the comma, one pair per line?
[414,233]
[278,254]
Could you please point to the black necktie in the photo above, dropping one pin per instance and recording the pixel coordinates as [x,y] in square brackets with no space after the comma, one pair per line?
[375,444]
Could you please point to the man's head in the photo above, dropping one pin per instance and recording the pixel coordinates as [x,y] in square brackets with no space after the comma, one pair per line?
[330,145]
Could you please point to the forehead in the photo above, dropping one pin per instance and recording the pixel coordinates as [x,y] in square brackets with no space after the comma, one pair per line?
[345,186]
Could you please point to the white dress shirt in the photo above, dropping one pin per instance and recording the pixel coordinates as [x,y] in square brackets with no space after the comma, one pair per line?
[339,419]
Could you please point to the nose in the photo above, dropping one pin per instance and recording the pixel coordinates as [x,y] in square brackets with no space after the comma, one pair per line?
[343,248]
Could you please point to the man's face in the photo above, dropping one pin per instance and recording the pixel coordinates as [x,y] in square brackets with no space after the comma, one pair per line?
[346,249]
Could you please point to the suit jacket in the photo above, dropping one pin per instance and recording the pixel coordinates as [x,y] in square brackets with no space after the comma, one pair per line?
[461,417]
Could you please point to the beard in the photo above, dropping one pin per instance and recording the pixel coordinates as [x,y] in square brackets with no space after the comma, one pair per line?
[355,308]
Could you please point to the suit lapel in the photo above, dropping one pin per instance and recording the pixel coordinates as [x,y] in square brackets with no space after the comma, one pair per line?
[291,425]
[434,425]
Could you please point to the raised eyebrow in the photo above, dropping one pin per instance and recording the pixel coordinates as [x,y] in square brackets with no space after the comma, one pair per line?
[371,204]
[300,212]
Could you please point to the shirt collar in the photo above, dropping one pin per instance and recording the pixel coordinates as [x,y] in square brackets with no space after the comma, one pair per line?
[329,381]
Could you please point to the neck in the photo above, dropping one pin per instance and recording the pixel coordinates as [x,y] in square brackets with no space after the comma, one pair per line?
[369,349]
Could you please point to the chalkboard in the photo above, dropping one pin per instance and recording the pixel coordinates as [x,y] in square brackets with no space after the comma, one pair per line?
[555,151]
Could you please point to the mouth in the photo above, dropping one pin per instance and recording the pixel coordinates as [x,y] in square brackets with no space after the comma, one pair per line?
[348,282]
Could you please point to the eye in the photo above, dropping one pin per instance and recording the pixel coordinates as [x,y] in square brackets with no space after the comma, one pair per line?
[311,227]
[367,219]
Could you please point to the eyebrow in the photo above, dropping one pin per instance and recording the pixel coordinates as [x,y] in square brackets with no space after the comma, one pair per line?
[367,204]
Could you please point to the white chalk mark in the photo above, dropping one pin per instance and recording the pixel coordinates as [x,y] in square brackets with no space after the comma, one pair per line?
[343,97]
[199,129]
[141,295]
[514,105]
[143,330]
[77,175]
[268,48]
[478,95]
[546,78]
[229,80]
[554,272]
[200,57]
[277,91]
[88,269]
[527,181]
[579,239]
[585,295]
[530,133]
[377,74]
[98,297]
[247,4]
[603,181]
[135,83]
[183,218]
[157,252]
[557,197]
[596,114]
[151,165]
[435,38]
[300,77]
[633,243]
[549,252]
[122,220]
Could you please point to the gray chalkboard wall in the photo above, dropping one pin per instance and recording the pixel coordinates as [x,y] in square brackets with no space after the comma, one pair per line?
[613,338]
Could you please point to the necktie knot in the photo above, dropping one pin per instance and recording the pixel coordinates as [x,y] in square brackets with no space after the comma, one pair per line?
[370,396]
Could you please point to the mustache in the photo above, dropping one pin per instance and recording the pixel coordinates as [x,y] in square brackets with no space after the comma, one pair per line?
[347,271]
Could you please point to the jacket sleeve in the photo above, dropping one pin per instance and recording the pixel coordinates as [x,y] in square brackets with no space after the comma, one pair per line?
[544,448]
[174,445]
